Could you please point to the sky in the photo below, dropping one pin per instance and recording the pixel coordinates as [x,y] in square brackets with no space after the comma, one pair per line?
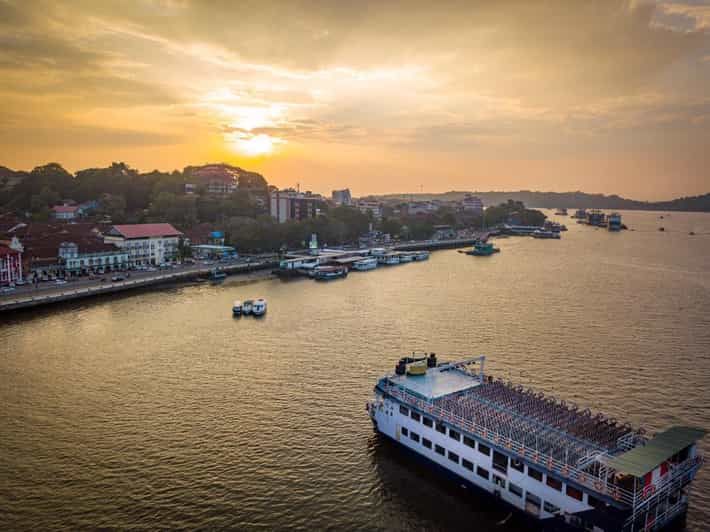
[381,97]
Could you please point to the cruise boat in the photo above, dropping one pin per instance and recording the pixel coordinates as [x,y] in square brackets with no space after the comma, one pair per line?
[368,263]
[541,233]
[482,249]
[614,222]
[549,459]
[259,307]
[247,307]
[327,273]
[237,308]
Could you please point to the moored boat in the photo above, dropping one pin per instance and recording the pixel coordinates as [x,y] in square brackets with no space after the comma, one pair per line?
[368,263]
[544,457]
[614,221]
[237,308]
[540,233]
[327,273]
[247,307]
[390,259]
[561,212]
[482,249]
[406,257]
[421,255]
[259,307]
[217,275]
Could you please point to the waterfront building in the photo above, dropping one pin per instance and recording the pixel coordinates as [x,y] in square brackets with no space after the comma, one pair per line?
[342,197]
[290,204]
[472,204]
[542,456]
[91,256]
[10,261]
[443,232]
[65,212]
[146,244]
[370,206]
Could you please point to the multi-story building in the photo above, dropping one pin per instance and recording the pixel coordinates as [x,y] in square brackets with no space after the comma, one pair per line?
[342,197]
[146,244]
[370,206]
[91,256]
[65,212]
[472,204]
[415,208]
[290,204]
[10,262]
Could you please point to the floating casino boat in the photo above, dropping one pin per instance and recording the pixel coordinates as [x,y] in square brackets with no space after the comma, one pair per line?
[547,458]
[482,249]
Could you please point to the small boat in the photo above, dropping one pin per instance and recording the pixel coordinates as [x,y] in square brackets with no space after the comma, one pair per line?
[421,255]
[369,263]
[561,212]
[692,233]
[545,234]
[482,249]
[614,222]
[217,276]
[580,214]
[661,228]
[391,258]
[259,307]
[237,308]
[406,257]
[247,307]
[327,273]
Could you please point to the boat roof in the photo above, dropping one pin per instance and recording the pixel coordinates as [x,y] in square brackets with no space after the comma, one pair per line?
[644,458]
[436,382]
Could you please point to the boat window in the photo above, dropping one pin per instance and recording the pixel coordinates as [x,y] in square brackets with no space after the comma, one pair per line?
[517,465]
[454,435]
[415,416]
[405,431]
[500,462]
[439,449]
[594,502]
[574,493]
[468,465]
[498,481]
[468,441]
[515,490]
[426,443]
[403,410]
[414,436]
[533,500]
[441,428]
[554,483]
[453,457]
[428,422]
[534,473]
[550,508]
[481,472]
[484,449]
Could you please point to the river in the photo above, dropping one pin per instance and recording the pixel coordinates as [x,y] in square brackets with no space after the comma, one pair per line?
[160,410]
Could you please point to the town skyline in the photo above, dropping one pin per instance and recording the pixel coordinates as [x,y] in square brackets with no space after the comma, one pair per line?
[609,98]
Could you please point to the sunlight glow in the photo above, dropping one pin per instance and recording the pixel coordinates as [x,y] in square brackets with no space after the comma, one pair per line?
[256,145]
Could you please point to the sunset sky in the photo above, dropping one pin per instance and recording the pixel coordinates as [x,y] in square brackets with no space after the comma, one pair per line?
[600,96]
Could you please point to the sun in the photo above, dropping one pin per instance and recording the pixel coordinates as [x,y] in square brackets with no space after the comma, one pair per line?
[257,145]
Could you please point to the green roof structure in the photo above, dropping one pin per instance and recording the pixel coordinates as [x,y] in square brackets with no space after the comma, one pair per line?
[644,458]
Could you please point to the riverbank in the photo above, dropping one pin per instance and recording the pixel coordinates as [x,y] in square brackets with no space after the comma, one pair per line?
[29,297]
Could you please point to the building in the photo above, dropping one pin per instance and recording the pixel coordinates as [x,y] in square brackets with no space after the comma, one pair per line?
[146,244]
[415,208]
[472,204]
[342,197]
[91,256]
[371,206]
[443,232]
[10,262]
[290,204]
[66,212]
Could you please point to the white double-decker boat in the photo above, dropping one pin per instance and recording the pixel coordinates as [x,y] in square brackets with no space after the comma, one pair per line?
[547,458]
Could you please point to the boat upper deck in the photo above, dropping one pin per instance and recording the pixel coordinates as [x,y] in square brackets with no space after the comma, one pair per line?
[543,423]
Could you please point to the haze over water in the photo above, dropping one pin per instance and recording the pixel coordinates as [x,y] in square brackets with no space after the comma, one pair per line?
[160,410]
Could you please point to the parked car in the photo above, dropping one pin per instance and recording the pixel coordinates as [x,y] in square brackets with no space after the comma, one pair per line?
[117,278]
[6,289]
[60,281]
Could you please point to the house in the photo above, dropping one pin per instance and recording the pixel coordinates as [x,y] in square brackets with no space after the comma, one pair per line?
[146,244]
[65,212]
[10,261]
[290,204]
[371,206]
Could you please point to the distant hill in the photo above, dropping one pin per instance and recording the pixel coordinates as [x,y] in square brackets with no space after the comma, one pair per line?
[570,200]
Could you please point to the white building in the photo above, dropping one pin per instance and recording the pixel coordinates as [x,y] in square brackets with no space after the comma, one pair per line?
[290,204]
[342,197]
[10,262]
[146,244]
[91,257]
[375,207]
[472,204]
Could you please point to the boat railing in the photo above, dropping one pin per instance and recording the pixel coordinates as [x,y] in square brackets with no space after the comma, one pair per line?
[577,473]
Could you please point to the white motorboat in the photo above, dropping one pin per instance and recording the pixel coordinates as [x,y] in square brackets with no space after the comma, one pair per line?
[247,307]
[259,307]
[237,308]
